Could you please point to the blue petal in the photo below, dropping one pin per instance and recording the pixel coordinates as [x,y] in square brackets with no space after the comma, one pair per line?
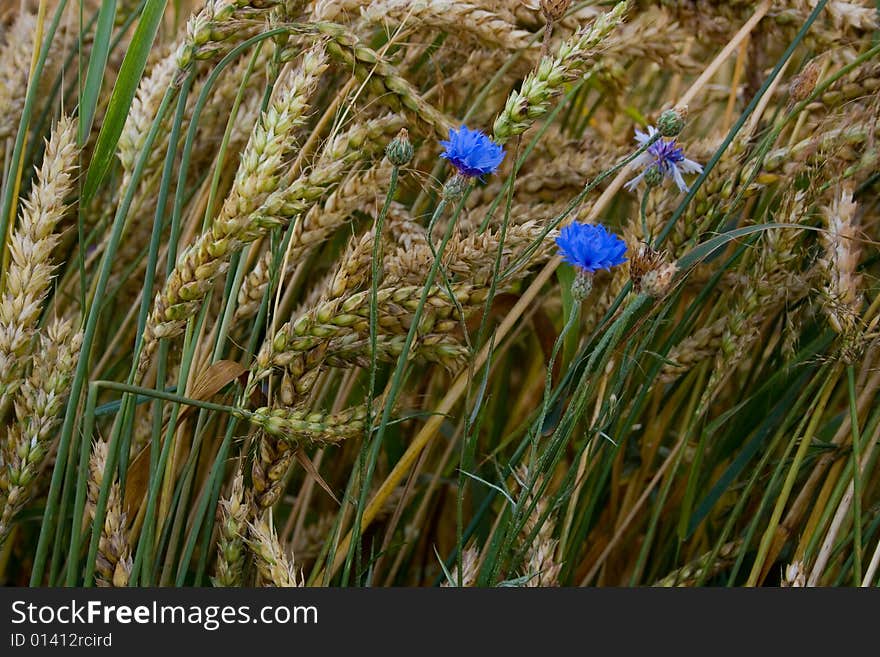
[471,152]
[590,247]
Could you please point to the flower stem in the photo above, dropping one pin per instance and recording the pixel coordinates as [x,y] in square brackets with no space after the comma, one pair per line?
[548,383]
[366,465]
[374,289]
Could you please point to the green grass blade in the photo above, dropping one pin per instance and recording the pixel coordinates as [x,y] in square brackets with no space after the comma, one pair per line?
[124,90]
[91,90]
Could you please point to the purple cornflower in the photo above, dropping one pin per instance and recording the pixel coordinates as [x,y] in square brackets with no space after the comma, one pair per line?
[664,156]
[590,247]
[471,152]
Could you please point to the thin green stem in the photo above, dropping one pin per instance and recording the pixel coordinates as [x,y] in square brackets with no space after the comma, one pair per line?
[376,269]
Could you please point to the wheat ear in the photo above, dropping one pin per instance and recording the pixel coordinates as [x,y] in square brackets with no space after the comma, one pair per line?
[113,566]
[273,566]
[237,224]
[233,529]
[39,401]
[29,274]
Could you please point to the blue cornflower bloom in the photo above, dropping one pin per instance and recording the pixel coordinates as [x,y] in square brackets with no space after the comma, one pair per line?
[666,157]
[590,247]
[471,152]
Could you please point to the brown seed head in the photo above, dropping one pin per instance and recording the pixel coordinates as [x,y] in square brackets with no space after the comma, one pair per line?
[553,10]
[646,260]
[804,82]
[656,283]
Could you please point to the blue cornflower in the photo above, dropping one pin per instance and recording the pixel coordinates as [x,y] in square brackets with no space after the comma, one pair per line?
[590,247]
[664,156]
[471,152]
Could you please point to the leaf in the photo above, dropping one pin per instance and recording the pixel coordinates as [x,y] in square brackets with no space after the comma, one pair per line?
[130,74]
[490,485]
[449,577]
[208,384]
[312,471]
[704,250]
[762,431]
[91,90]
[517,581]
[137,479]
[216,377]
[212,381]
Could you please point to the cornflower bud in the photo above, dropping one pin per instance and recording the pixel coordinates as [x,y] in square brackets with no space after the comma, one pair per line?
[400,150]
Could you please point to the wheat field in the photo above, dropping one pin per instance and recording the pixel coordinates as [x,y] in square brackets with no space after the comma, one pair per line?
[439,293]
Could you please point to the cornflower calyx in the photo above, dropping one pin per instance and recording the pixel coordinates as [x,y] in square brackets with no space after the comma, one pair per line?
[400,150]
[456,186]
[654,176]
[663,156]
[582,285]
[671,122]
